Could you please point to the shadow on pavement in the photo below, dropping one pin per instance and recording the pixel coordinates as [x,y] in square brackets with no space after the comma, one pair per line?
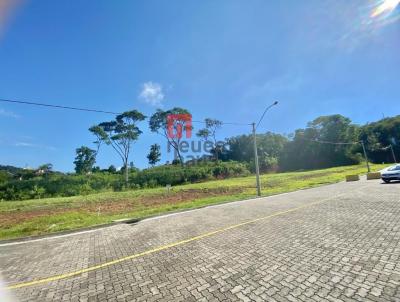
[393,182]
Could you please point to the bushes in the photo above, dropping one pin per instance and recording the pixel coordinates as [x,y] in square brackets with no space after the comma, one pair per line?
[55,185]
[230,169]
[59,185]
[175,175]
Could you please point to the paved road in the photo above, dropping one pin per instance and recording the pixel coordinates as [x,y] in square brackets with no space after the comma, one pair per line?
[334,243]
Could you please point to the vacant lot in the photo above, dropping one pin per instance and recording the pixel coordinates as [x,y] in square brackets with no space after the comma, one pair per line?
[332,243]
[40,216]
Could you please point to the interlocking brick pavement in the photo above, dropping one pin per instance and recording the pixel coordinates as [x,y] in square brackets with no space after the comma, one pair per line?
[345,248]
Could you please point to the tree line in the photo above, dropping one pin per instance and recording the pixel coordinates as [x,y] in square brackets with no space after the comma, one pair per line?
[327,141]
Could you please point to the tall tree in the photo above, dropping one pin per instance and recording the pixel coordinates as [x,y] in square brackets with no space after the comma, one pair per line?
[269,146]
[159,124]
[112,169]
[154,154]
[4,176]
[326,142]
[120,134]
[100,135]
[379,136]
[210,132]
[84,160]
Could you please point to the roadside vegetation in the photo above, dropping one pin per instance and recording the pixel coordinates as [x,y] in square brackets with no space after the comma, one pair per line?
[41,200]
[30,184]
[327,141]
[48,215]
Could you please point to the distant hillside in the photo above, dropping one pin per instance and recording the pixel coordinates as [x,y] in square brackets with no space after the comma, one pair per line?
[11,169]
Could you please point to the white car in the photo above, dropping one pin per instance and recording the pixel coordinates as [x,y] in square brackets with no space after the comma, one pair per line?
[391,173]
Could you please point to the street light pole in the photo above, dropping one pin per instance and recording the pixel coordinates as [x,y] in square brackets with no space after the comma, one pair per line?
[365,156]
[394,156]
[255,148]
[256,161]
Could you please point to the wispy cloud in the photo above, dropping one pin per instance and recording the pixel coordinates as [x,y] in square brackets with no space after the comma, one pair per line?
[152,94]
[8,113]
[276,86]
[32,145]
[284,83]
[24,141]
[23,144]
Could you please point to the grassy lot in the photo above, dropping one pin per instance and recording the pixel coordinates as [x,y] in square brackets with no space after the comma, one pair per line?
[41,216]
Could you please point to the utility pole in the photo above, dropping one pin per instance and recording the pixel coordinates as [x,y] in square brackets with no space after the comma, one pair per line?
[394,156]
[365,156]
[255,148]
[256,161]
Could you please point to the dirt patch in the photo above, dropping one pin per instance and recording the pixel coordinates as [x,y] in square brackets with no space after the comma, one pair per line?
[187,195]
[12,218]
[118,206]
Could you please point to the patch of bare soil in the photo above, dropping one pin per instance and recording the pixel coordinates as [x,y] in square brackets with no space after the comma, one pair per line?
[118,206]
[12,218]
[186,195]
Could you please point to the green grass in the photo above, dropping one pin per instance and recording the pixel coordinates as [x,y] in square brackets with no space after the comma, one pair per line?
[41,216]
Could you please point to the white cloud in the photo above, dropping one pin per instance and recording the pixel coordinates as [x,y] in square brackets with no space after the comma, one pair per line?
[30,145]
[276,86]
[152,94]
[8,113]
[23,144]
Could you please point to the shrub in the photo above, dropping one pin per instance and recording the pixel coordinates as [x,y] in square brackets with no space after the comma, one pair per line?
[58,184]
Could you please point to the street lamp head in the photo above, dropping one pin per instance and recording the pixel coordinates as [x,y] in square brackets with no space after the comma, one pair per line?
[265,111]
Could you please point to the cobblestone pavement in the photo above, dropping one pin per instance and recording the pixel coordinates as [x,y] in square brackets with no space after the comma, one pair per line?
[338,243]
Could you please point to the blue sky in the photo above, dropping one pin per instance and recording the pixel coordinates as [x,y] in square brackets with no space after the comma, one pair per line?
[225,59]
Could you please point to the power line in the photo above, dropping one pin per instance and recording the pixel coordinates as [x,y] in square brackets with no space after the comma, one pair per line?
[345,143]
[336,143]
[330,143]
[92,110]
[225,123]
[58,106]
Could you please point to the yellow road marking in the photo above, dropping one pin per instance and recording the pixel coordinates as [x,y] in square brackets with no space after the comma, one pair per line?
[155,250]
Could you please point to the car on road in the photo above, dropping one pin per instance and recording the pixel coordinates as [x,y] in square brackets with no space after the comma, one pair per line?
[391,173]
